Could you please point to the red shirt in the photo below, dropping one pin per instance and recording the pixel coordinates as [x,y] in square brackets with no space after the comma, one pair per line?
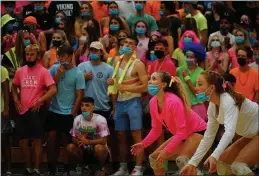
[166,65]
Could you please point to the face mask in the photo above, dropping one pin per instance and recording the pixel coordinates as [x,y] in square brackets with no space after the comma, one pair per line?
[140,31]
[85,14]
[256,57]
[26,42]
[114,28]
[190,62]
[39,8]
[224,30]
[139,7]
[125,50]
[241,61]
[203,97]
[83,39]
[56,43]
[10,9]
[113,12]
[86,115]
[215,44]
[159,54]
[153,89]
[94,57]
[186,10]
[58,20]
[31,64]
[240,39]
[9,28]
[187,40]
[162,13]
[153,56]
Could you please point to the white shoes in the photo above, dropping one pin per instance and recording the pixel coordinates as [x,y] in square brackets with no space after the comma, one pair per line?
[136,172]
[121,172]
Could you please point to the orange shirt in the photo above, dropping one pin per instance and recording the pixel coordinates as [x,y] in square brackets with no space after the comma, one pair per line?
[246,83]
[99,11]
[152,8]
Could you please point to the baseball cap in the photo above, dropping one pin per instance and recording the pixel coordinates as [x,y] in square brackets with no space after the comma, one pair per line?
[31,19]
[96,45]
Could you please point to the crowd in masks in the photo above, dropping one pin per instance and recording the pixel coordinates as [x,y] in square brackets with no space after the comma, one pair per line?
[162,80]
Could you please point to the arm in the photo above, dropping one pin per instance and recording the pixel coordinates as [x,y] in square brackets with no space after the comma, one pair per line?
[52,90]
[170,45]
[79,96]
[101,141]
[45,60]
[209,137]
[192,87]
[77,29]
[143,78]
[224,65]
[43,43]
[5,89]
[256,98]
[204,37]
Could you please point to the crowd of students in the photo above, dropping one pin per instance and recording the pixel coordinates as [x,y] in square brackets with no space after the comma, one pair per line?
[74,72]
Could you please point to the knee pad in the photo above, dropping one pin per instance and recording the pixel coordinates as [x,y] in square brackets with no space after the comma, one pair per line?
[181,161]
[240,168]
[153,165]
[223,168]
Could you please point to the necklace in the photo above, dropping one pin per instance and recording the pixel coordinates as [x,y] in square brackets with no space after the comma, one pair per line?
[160,64]
[247,76]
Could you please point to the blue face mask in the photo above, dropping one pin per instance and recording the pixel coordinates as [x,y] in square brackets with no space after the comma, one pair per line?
[9,27]
[125,50]
[114,28]
[113,12]
[10,9]
[256,57]
[203,97]
[26,42]
[153,56]
[187,40]
[39,8]
[86,115]
[65,63]
[139,7]
[94,57]
[215,44]
[140,31]
[153,89]
[162,13]
[85,14]
[240,39]
[58,20]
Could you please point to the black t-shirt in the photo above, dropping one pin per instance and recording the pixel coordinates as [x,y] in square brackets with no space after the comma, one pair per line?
[70,8]
[27,10]
[45,21]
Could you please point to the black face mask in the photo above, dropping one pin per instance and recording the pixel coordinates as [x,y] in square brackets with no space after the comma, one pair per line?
[241,61]
[31,64]
[159,54]
[56,43]
[224,30]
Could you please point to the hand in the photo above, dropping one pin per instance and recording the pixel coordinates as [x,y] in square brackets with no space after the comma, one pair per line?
[33,38]
[136,149]
[82,140]
[162,156]
[212,162]
[18,106]
[37,105]
[61,70]
[5,113]
[188,170]
[216,55]
[185,73]
[88,75]
[110,81]
[112,113]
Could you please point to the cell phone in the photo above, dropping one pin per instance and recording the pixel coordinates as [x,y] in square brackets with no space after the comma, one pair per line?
[219,61]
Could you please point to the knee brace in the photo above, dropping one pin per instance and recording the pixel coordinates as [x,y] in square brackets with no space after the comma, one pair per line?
[240,168]
[223,168]
[153,165]
[181,161]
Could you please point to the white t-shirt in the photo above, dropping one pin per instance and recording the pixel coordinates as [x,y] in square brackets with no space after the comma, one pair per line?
[127,8]
[95,129]
[244,122]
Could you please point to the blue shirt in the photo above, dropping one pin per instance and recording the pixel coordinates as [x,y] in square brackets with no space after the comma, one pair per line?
[97,87]
[69,82]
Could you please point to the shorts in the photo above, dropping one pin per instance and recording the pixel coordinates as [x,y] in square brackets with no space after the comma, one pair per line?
[128,115]
[31,124]
[59,122]
[89,155]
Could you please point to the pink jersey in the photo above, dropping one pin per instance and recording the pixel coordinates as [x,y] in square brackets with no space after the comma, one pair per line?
[33,83]
[167,65]
[174,117]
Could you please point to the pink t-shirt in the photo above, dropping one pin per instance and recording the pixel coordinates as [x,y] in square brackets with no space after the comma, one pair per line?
[211,58]
[166,65]
[175,119]
[33,83]
[142,47]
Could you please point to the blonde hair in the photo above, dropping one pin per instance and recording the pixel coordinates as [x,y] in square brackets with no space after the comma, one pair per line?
[245,35]
[210,41]
[176,87]
[63,36]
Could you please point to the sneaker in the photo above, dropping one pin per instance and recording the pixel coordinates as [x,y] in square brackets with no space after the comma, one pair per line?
[8,173]
[27,172]
[101,172]
[65,174]
[136,172]
[121,172]
[49,174]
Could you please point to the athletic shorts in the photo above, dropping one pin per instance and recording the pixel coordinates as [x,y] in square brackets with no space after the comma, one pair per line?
[89,155]
[59,122]
[128,115]
[31,124]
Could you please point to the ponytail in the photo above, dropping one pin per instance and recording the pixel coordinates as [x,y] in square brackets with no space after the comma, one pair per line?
[238,98]
[175,86]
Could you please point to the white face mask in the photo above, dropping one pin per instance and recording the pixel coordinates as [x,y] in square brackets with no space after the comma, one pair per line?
[83,39]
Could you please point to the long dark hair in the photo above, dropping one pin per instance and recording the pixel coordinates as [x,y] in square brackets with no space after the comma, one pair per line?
[218,81]
[176,88]
[118,19]
[190,24]
[146,34]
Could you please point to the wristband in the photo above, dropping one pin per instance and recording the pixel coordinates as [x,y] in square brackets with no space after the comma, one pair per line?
[186,78]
